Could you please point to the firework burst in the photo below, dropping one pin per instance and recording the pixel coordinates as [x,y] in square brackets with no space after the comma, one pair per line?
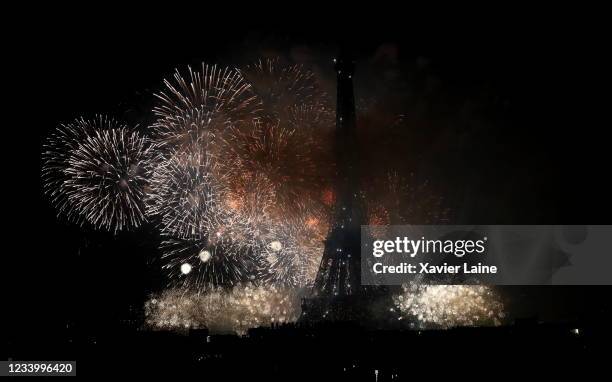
[283,164]
[200,264]
[185,194]
[202,105]
[56,152]
[102,169]
[221,310]
[282,87]
[293,251]
[229,253]
[446,306]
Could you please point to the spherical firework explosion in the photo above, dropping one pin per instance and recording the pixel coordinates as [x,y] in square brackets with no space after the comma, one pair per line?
[100,168]
[446,306]
[220,310]
[184,194]
[202,106]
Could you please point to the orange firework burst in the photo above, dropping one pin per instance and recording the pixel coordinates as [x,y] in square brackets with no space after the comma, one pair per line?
[275,166]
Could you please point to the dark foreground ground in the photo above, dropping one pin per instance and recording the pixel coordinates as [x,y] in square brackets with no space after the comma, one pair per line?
[330,352]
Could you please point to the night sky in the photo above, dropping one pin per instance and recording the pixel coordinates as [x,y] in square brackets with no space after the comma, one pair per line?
[502,124]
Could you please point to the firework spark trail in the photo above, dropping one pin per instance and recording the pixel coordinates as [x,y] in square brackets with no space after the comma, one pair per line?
[104,170]
[242,307]
[447,306]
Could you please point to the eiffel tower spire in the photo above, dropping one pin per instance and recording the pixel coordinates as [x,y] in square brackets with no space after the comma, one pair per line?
[348,211]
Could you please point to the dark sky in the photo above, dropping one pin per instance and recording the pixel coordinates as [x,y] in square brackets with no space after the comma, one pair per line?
[530,147]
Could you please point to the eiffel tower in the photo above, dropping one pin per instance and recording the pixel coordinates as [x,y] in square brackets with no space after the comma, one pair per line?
[337,293]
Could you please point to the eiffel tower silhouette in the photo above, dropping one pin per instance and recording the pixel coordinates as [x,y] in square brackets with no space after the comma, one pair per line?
[337,293]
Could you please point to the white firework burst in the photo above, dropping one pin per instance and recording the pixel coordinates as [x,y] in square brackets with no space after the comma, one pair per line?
[185,194]
[221,310]
[446,306]
[292,251]
[102,168]
[202,105]
[56,151]
[227,255]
